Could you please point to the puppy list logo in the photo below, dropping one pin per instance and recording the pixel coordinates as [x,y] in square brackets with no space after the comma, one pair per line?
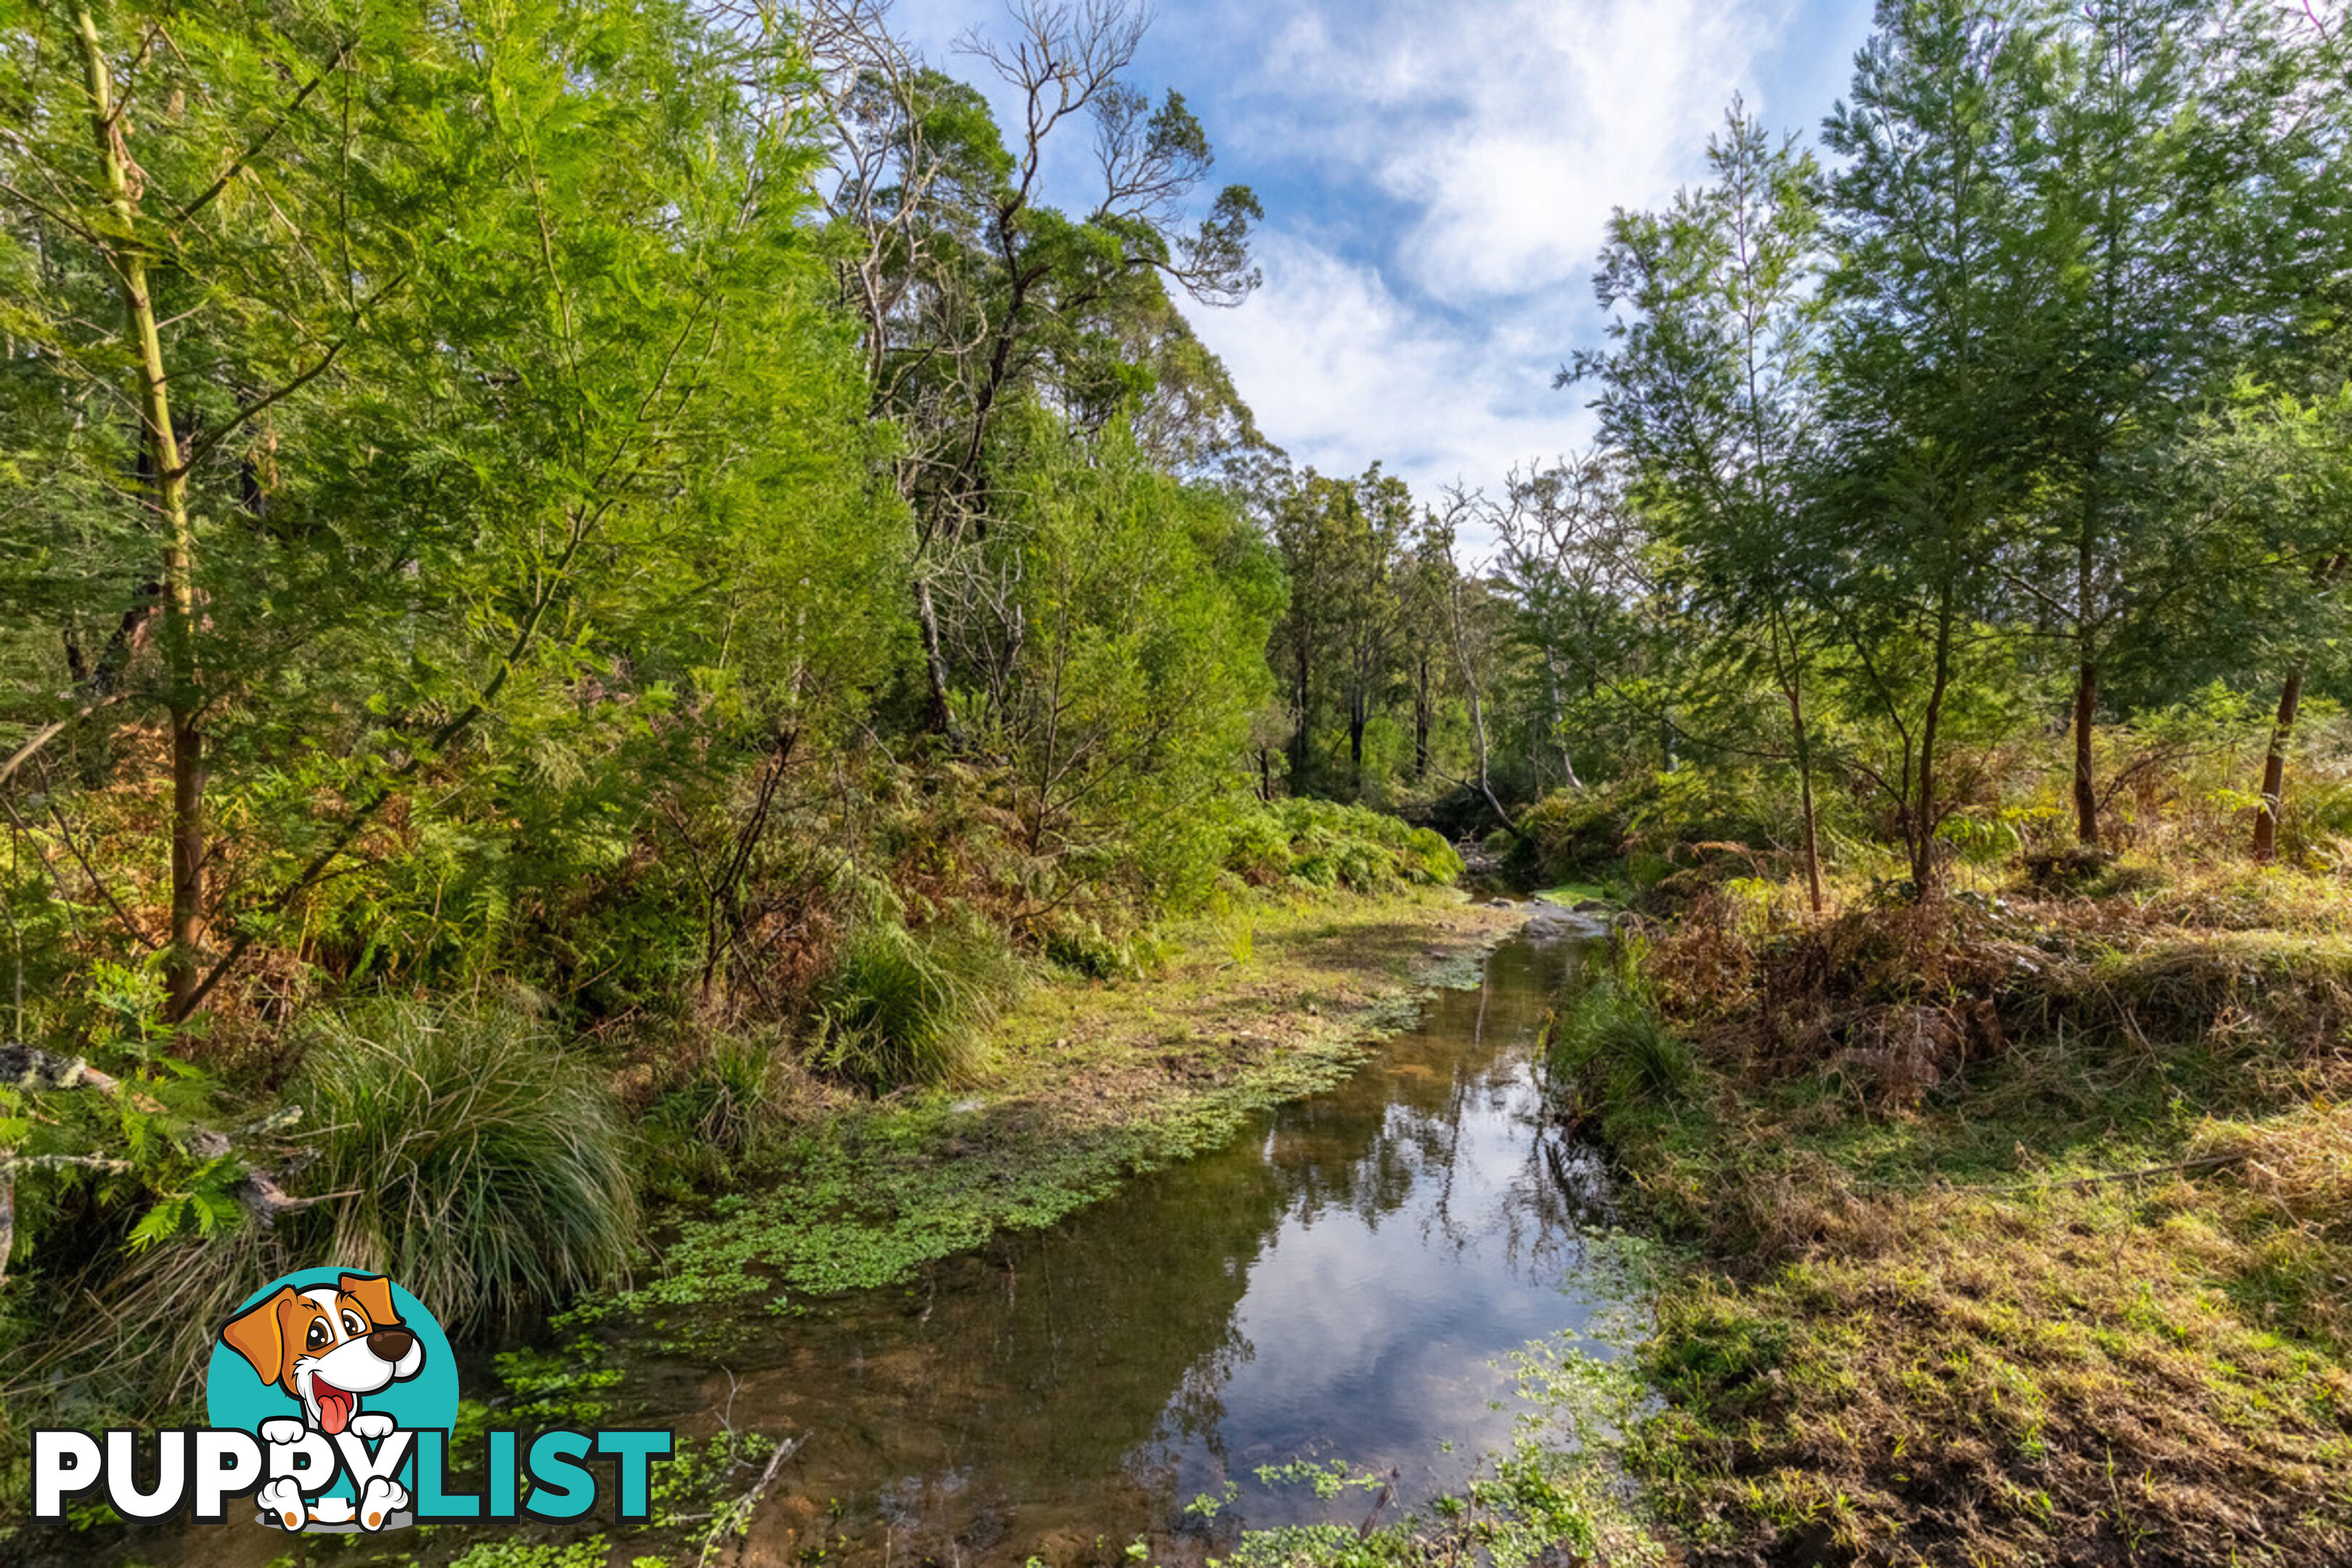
[330,1397]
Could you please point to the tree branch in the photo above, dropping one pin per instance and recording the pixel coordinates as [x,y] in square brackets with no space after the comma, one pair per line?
[253,149]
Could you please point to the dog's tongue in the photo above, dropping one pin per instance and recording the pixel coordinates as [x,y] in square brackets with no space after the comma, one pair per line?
[334,1406]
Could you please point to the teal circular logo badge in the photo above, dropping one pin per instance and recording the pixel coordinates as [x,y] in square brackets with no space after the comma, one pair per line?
[334,1369]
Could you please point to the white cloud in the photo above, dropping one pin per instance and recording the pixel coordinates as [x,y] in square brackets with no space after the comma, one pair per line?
[1438,177]
[1341,372]
[1508,130]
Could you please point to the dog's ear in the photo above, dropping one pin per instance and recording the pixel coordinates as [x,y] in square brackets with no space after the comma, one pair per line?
[258,1334]
[373,1293]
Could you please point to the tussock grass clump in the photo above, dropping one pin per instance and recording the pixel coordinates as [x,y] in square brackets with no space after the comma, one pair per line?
[1610,1043]
[720,1104]
[2281,993]
[903,1008]
[481,1165]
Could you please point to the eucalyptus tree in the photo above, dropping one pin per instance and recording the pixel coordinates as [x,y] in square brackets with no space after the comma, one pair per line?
[1710,387]
[973,293]
[1477,623]
[1569,552]
[1341,544]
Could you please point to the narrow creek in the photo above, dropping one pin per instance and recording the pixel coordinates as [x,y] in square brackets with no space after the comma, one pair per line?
[1345,1281]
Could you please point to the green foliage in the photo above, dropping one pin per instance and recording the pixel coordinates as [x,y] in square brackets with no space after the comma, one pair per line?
[1325,845]
[472,1160]
[121,1134]
[593,1552]
[1651,818]
[717,1110]
[902,1007]
[1145,604]
[1610,1046]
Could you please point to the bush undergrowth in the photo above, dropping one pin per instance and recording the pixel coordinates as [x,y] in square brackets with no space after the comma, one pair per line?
[2012,1223]
[479,1166]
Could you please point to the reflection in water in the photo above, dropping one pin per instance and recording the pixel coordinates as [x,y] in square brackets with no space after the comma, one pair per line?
[1343,1284]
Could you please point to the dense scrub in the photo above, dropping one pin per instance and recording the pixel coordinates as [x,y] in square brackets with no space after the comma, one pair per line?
[484,1149]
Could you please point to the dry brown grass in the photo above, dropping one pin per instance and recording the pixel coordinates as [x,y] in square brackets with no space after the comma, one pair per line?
[2020,1229]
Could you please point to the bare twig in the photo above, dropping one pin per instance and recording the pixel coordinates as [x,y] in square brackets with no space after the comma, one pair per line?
[2178,1167]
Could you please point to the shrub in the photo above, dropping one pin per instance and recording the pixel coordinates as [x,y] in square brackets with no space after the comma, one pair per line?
[902,1008]
[1324,844]
[716,1109]
[481,1165]
[1083,947]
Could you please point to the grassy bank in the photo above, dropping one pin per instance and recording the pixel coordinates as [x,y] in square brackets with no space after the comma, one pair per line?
[1084,1082]
[2014,1228]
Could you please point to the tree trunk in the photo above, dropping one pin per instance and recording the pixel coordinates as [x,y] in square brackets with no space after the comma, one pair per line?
[1567,779]
[1485,784]
[938,717]
[1923,873]
[2086,684]
[1358,714]
[1300,691]
[1792,687]
[2086,796]
[2274,767]
[168,487]
[1421,716]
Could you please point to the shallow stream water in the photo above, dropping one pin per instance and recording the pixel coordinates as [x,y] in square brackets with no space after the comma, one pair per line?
[1346,1282]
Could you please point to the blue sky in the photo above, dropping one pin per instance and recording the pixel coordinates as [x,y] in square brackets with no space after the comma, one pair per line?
[1436,180]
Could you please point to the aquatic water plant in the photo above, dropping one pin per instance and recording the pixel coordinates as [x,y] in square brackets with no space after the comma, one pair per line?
[1559,1488]
[1093,1083]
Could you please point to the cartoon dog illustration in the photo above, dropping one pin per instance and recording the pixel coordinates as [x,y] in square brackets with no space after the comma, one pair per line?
[328,1347]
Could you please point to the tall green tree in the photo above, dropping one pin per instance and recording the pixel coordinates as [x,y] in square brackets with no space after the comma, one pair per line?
[1340,543]
[443,347]
[1942,387]
[1711,389]
[2168,160]
[977,295]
